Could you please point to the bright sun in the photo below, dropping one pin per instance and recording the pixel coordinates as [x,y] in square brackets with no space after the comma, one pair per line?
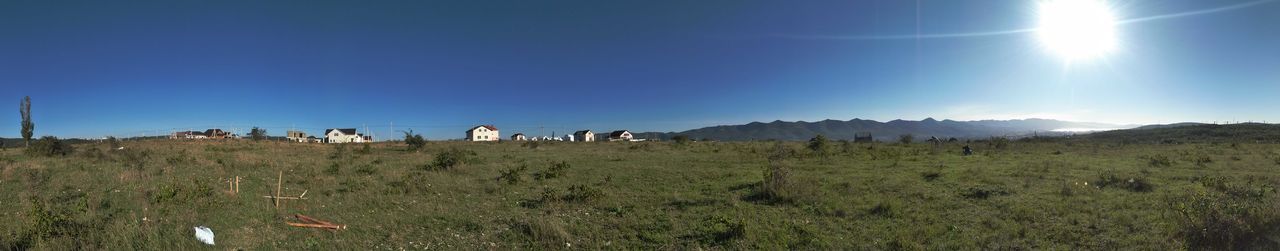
[1077,29]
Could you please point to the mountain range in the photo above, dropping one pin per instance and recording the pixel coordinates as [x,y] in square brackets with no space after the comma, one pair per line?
[887,131]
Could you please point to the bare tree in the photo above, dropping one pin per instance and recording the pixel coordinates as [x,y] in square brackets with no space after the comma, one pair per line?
[28,128]
[258,133]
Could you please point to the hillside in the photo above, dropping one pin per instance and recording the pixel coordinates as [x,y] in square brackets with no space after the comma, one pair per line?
[882,131]
[1193,133]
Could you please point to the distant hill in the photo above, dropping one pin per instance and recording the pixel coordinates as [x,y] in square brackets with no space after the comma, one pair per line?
[882,131]
[1193,133]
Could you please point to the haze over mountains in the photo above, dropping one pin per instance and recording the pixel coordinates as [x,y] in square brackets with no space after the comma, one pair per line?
[888,131]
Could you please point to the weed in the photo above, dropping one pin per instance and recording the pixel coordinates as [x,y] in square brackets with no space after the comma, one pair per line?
[1158,160]
[1134,184]
[983,192]
[49,146]
[1213,221]
[930,175]
[883,209]
[450,159]
[512,176]
[556,169]
[718,230]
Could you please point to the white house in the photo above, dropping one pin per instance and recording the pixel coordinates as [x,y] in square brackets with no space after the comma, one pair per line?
[518,137]
[567,137]
[483,133]
[620,135]
[585,136]
[345,135]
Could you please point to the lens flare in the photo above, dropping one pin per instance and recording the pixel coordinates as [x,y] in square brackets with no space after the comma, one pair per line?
[1077,29]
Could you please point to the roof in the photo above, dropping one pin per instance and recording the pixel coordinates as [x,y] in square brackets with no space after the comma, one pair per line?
[518,134]
[618,133]
[490,127]
[582,132]
[347,131]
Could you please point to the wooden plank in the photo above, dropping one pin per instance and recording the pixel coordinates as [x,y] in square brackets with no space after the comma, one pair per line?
[279,186]
[312,220]
[315,225]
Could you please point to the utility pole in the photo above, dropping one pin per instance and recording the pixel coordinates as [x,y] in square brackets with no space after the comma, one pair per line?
[393,129]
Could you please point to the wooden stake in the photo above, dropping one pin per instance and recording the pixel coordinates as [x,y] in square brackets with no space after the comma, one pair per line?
[279,185]
[312,220]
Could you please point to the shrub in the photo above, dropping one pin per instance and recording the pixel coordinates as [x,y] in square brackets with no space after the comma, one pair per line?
[512,176]
[49,146]
[818,144]
[1158,160]
[719,230]
[930,175]
[452,158]
[998,143]
[556,169]
[983,192]
[776,184]
[1135,184]
[883,209]
[581,193]
[680,139]
[906,138]
[1213,221]
[113,143]
[257,134]
[366,149]
[415,141]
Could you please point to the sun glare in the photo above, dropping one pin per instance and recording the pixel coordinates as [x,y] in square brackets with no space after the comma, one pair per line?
[1077,29]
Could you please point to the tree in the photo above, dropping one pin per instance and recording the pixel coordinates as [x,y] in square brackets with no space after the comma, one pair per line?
[818,144]
[415,141]
[28,128]
[906,138]
[257,133]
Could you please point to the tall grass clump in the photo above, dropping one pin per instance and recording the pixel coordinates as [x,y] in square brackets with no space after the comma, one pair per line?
[451,158]
[1208,220]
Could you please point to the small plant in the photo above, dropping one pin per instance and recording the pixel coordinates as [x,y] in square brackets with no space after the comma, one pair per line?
[930,175]
[883,209]
[49,146]
[906,138]
[556,169]
[1158,160]
[983,192]
[719,230]
[339,151]
[512,176]
[581,193]
[1135,184]
[415,141]
[452,158]
[776,184]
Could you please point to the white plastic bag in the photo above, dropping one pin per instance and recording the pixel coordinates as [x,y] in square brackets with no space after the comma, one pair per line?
[204,234]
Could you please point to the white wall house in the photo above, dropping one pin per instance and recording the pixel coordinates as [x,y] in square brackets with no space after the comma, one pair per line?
[344,135]
[585,136]
[620,135]
[567,137]
[483,133]
[518,137]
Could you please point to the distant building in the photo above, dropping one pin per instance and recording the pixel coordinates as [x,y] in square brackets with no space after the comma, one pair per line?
[585,136]
[567,137]
[297,136]
[518,137]
[313,139]
[483,133]
[862,137]
[217,134]
[345,135]
[620,135]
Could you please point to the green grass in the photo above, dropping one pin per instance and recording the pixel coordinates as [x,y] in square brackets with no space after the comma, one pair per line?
[654,195]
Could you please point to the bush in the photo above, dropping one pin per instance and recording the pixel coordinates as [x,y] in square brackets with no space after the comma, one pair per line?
[1135,184]
[818,144]
[113,143]
[998,143]
[450,159]
[556,169]
[512,176]
[415,141]
[776,184]
[680,139]
[1158,160]
[49,146]
[1214,221]
[719,230]
[257,134]
[906,138]
[581,193]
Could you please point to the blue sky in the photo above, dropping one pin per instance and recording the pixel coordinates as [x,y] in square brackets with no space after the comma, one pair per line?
[125,68]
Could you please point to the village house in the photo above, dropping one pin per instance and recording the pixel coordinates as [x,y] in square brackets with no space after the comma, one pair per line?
[345,135]
[567,137]
[187,135]
[483,133]
[297,136]
[620,135]
[217,134]
[518,137]
[584,136]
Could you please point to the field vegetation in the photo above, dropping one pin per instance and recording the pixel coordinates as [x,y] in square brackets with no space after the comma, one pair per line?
[1011,194]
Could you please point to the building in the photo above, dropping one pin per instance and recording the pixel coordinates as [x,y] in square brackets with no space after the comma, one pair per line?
[567,137]
[620,135]
[297,136]
[862,137]
[217,134]
[186,135]
[483,133]
[313,139]
[584,136]
[345,135]
[518,137]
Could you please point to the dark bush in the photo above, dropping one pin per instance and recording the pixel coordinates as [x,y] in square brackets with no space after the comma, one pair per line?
[906,138]
[512,176]
[680,139]
[818,144]
[49,146]
[452,158]
[1134,184]
[556,169]
[415,141]
[1215,221]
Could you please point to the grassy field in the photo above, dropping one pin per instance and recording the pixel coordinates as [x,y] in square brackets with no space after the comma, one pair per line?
[654,195]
